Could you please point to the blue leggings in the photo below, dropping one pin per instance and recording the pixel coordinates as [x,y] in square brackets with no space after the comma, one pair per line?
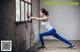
[53,33]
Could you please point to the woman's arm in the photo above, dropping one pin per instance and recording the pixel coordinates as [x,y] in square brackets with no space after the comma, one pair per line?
[40,19]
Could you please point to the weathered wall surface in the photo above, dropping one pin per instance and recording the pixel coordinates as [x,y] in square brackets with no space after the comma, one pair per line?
[19,35]
[35,24]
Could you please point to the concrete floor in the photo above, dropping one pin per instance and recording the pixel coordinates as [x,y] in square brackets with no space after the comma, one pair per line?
[56,46]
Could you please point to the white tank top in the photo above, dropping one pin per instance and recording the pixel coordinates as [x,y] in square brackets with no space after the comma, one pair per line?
[47,25]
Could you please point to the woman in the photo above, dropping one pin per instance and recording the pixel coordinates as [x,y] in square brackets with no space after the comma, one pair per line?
[51,31]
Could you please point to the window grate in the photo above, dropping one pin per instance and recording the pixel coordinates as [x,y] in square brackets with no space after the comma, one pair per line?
[23,9]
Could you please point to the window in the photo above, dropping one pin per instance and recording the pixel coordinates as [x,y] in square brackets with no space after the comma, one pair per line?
[23,9]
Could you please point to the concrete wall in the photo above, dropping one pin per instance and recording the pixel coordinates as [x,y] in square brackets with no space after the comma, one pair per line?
[18,34]
[35,12]
[65,19]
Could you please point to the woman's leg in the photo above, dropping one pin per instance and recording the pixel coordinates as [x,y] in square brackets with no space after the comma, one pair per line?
[48,33]
[62,39]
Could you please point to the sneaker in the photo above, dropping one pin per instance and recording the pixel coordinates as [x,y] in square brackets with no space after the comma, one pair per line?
[71,46]
[41,47]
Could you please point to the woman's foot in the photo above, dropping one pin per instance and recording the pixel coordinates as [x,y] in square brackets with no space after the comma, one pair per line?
[72,46]
[41,47]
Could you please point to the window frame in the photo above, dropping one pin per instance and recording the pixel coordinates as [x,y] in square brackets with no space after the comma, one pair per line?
[28,3]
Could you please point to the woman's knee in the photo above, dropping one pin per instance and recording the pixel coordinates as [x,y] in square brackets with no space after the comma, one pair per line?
[40,35]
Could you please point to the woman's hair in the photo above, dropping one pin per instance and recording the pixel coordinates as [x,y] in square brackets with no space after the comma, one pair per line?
[44,11]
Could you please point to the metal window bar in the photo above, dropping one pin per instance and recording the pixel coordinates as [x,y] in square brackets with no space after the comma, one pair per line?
[19,17]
